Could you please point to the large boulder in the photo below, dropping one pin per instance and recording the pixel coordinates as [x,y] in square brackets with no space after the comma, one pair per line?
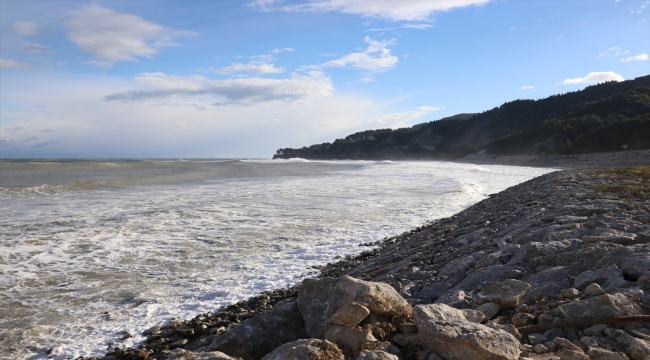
[603,306]
[349,338]
[306,349]
[256,337]
[376,355]
[320,299]
[608,278]
[182,354]
[462,340]
[506,293]
[634,266]
[442,312]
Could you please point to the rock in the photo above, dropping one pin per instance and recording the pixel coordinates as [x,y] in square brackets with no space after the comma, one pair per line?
[541,349]
[455,298]
[434,291]
[592,290]
[306,349]
[589,342]
[595,330]
[535,339]
[512,274]
[602,306]
[458,340]
[350,314]
[152,330]
[566,344]
[489,309]
[634,266]
[522,319]
[320,299]
[639,349]
[434,357]
[386,346]
[442,312]
[565,354]
[609,278]
[376,355]
[182,354]
[602,354]
[407,340]
[179,343]
[644,279]
[407,329]
[256,337]
[350,338]
[570,293]
[551,334]
[506,293]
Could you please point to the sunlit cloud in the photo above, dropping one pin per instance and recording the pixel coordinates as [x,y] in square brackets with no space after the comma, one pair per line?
[594,77]
[8,64]
[613,51]
[527,87]
[641,57]
[403,10]
[112,36]
[25,28]
[258,68]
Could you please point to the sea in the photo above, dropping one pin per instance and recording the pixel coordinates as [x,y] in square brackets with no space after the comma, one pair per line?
[93,249]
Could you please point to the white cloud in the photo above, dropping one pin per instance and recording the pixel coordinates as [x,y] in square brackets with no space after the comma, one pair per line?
[594,77]
[277,51]
[613,51]
[8,64]
[258,68]
[376,58]
[403,10]
[407,26]
[247,91]
[113,36]
[640,57]
[25,28]
[399,120]
[526,87]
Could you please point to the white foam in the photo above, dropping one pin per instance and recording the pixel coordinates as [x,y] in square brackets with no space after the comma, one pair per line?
[78,267]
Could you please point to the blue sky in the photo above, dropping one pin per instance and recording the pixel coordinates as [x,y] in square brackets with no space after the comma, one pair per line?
[244,78]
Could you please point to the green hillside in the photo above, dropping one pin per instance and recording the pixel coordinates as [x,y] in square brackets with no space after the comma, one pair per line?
[598,118]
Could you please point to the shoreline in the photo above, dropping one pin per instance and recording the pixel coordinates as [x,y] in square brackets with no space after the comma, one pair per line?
[401,262]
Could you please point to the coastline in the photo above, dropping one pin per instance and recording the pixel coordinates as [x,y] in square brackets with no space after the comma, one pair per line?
[424,264]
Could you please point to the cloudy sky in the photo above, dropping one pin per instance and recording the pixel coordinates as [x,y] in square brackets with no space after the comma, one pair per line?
[244,78]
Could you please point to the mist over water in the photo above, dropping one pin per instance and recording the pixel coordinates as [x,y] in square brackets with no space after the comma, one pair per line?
[90,249]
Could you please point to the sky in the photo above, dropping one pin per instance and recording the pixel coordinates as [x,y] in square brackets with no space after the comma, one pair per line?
[224,79]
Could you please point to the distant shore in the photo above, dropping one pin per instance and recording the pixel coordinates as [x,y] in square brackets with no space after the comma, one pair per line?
[581,161]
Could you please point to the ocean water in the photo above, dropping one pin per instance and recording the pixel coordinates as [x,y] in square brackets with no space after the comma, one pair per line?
[91,249]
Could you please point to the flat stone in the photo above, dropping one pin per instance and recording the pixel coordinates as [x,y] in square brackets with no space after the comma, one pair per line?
[602,354]
[178,343]
[182,354]
[589,342]
[603,306]
[644,279]
[350,314]
[489,309]
[306,349]
[570,293]
[566,344]
[566,354]
[535,339]
[465,340]
[506,293]
[350,338]
[595,330]
[442,312]
[376,355]
[608,278]
[522,319]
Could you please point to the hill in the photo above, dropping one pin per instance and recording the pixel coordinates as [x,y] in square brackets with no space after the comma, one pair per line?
[598,118]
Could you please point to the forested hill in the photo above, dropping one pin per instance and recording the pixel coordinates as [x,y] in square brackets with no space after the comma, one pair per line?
[598,118]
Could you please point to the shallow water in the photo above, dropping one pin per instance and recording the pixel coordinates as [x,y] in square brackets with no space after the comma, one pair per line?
[90,249]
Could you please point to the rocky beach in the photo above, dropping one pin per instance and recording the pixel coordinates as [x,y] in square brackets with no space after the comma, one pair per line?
[557,267]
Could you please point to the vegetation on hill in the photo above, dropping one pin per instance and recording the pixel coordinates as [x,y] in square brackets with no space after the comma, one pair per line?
[598,118]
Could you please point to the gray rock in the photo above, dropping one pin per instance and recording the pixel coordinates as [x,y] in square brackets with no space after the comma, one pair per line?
[434,291]
[602,354]
[506,293]
[570,293]
[644,279]
[459,340]
[589,342]
[565,354]
[592,290]
[257,336]
[609,278]
[182,354]
[458,266]
[566,344]
[602,306]
[639,349]
[634,266]
[441,312]
[522,319]
[489,309]
[350,314]
[455,298]
[535,339]
[595,330]
[306,349]
[348,338]
[320,299]
[376,355]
